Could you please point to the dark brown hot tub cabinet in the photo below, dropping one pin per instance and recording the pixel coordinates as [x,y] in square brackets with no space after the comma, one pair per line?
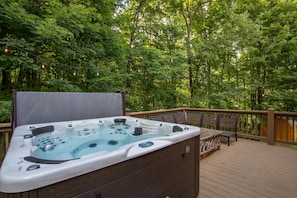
[169,172]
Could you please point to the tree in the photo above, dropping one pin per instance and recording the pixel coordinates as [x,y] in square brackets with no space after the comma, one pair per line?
[204,53]
[54,40]
[154,58]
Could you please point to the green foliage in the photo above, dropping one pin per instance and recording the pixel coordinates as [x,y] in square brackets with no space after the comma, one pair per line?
[64,37]
[213,54]
[62,86]
[5,110]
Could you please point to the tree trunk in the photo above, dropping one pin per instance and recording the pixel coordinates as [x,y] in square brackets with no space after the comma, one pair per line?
[6,81]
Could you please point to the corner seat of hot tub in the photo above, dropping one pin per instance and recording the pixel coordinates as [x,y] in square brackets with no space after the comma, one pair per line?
[145,147]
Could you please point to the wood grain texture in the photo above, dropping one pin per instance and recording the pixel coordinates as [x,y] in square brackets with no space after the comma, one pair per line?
[249,169]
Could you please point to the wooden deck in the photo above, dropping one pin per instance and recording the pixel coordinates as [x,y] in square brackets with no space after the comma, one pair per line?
[249,169]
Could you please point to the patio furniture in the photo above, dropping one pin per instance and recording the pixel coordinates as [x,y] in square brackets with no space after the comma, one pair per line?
[195,118]
[210,141]
[210,120]
[228,124]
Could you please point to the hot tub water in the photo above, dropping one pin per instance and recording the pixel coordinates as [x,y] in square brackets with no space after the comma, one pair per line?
[72,142]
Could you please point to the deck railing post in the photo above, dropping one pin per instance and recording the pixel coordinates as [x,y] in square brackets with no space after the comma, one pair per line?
[184,106]
[270,126]
[6,129]
[127,112]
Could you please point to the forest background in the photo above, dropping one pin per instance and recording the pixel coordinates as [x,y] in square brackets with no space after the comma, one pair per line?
[222,54]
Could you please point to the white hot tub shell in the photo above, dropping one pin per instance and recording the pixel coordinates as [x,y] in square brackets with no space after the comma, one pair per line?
[43,154]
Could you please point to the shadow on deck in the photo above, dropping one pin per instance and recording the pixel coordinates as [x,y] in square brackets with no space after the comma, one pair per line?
[249,169]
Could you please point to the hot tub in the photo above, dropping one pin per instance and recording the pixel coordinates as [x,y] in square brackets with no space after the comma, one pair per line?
[40,156]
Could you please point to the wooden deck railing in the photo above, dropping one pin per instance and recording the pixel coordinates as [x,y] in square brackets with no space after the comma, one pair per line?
[270,126]
[5,132]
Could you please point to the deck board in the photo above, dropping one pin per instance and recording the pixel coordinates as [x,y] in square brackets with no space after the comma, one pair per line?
[249,169]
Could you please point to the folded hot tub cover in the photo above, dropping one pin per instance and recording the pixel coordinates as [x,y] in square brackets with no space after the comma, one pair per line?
[44,107]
